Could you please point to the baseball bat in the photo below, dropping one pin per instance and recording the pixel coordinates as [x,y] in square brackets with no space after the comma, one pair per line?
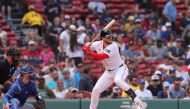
[106,27]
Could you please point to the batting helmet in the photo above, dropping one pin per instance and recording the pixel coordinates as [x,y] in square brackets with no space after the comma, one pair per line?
[105,32]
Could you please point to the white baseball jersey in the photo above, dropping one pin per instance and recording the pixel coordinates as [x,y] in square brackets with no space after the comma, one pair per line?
[112,50]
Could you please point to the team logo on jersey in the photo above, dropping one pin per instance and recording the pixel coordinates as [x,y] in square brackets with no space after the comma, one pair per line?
[108,51]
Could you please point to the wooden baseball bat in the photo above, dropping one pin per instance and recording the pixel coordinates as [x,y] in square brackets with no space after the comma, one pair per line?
[106,27]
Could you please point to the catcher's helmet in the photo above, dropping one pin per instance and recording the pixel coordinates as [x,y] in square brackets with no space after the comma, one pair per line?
[105,32]
[26,69]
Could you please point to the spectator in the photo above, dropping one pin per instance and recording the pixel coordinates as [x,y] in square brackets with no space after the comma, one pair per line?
[86,83]
[49,77]
[47,55]
[188,94]
[89,30]
[34,19]
[176,91]
[129,26]
[158,51]
[171,75]
[186,36]
[142,92]
[66,21]
[170,12]
[171,41]
[53,83]
[120,43]
[52,10]
[133,85]
[154,33]
[139,32]
[3,37]
[75,94]
[67,79]
[6,4]
[31,34]
[131,53]
[54,33]
[65,38]
[77,75]
[148,46]
[185,21]
[43,90]
[164,93]
[177,51]
[167,31]
[155,87]
[81,20]
[60,91]
[81,34]
[97,6]
[32,55]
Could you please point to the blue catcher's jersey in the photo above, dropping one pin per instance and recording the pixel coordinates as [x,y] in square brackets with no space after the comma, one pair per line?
[21,91]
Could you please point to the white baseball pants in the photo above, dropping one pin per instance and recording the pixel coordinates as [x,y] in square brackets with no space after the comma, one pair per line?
[106,80]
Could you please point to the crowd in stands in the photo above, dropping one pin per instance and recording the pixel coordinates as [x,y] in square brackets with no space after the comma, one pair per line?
[155,45]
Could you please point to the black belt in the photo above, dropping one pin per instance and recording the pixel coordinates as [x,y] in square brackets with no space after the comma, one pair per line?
[115,68]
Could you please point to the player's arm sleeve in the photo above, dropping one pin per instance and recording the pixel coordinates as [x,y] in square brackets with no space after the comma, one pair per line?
[98,56]
[14,89]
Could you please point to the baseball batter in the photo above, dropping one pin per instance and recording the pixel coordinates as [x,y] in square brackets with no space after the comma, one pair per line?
[116,70]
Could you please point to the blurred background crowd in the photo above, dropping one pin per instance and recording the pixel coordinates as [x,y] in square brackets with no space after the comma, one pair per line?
[153,37]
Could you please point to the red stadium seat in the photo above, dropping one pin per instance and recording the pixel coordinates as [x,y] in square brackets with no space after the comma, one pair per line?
[6,27]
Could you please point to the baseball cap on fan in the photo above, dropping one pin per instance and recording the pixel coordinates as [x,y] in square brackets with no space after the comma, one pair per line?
[67,17]
[31,42]
[166,84]
[72,27]
[155,77]
[141,81]
[168,24]
[81,28]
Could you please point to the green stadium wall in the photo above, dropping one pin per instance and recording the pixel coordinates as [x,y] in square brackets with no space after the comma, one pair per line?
[114,104]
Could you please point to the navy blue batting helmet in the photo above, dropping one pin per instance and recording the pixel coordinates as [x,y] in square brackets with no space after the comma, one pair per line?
[105,32]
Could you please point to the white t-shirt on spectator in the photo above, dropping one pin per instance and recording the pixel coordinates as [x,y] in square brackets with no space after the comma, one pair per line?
[65,36]
[76,53]
[99,6]
[60,95]
[81,38]
[47,78]
[145,94]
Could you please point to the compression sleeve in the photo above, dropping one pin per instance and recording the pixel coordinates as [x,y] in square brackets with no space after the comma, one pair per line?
[98,56]
[5,99]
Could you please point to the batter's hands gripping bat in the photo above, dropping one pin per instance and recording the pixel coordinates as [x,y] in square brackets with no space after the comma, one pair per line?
[106,27]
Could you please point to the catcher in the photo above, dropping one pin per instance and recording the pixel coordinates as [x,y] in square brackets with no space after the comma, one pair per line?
[21,89]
